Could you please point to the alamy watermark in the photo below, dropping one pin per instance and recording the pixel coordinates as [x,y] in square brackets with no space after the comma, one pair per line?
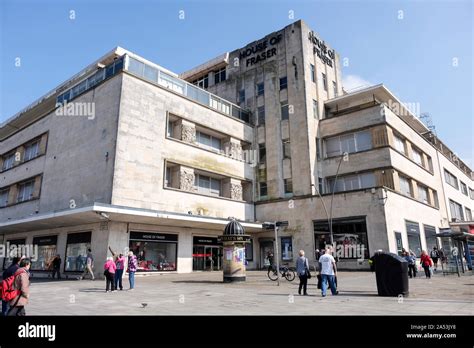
[76,109]
[23,250]
[401,109]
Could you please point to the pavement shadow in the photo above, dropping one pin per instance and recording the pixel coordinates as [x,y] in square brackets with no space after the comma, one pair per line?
[198,281]
[357,294]
[92,290]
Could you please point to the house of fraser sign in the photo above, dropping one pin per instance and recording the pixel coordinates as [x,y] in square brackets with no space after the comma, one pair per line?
[321,50]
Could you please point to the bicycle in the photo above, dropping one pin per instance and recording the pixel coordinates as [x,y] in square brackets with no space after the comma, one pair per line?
[285,272]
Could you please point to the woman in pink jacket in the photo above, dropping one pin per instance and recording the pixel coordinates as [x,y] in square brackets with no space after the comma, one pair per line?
[109,272]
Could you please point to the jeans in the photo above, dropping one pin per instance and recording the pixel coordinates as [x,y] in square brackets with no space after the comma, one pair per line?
[109,281]
[131,279]
[303,283]
[56,270]
[5,308]
[412,270]
[326,278]
[118,279]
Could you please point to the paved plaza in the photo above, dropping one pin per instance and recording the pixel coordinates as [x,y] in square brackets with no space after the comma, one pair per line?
[203,293]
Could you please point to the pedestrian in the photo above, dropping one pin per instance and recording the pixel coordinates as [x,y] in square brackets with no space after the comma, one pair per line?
[302,268]
[426,263]
[120,265]
[435,256]
[22,284]
[15,265]
[411,259]
[89,265]
[132,268]
[56,266]
[109,272]
[328,271]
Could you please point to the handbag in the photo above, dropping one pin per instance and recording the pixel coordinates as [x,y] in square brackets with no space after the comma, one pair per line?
[319,280]
[308,273]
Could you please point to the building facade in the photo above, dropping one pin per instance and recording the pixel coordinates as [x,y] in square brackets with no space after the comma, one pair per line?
[127,154]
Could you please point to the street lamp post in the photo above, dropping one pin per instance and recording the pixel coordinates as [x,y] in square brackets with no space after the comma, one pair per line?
[275,225]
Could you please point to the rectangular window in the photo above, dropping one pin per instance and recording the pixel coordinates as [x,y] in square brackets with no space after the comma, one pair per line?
[315,109]
[352,182]
[207,185]
[283,83]
[242,96]
[31,150]
[170,129]
[318,149]
[399,144]
[260,89]
[430,237]
[286,149]
[263,189]
[350,143]
[464,188]
[8,161]
[203,82]
[25,191]
[456,210]
[417,157]
[286,248]
[77,248]
[284,110]
[320,185]
[451,179]
[208,141]
[262,153]
[219,76]
[334,87]
[4,197]
[154,251]
[313,73]
[249,251]
[363,140]
[168,177]
[261,115]
[405,187]
[471,193]
[423,194]
[468,214]
[325,82]
[46,252]
[435,199]
[288,183]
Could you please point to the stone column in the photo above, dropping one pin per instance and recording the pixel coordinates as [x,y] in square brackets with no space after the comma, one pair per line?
[233,148]
[232,188]
[187,131]
[186,179]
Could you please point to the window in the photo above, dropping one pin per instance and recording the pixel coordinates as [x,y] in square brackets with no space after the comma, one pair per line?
[318,149]
[423,194]
[320,185]
[31,150]
[283,83]
[261,115]
[471,193]
[405,187]
[46,252]
[4,197]
[168,177]
[219,75]
[430,237]
[284,110]
[208,141]
[8,161]
[263,189]
[451,179]
[325,82]
[315,109]
[350,143]
[312,72]
[242,96]
[418,157]
[203,82]
[154,251]
[286,149]
[262,153]
[260,89]
[456,210]
[249,251]
[463,188]
[286,248]
[413,234]
[352,182]
[334,87]
[399,144]
[207,185]
[170,129]
[288,183]
[76,251]
[25,191]
[468,214]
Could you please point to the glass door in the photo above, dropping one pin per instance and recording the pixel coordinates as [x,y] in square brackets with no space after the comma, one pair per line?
[198,258]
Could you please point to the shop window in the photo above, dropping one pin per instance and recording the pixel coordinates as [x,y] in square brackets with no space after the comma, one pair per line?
[77,248]
[19,244]
[413,234]
[249,251]
[286,248]
[47,250]
[154,251]
[430,237]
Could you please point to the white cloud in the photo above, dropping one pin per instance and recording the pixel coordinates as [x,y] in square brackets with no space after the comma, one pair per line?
[354,81]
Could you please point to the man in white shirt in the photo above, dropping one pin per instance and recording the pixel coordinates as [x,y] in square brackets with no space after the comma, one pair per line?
[328,271]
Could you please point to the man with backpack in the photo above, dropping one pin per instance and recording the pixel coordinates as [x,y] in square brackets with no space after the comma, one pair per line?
[435,256]
[10,271]
[16,289]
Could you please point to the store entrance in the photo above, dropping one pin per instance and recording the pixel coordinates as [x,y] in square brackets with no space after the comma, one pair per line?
[207,254]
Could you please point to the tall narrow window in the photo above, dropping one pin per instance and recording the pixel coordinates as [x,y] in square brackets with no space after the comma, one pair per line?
[242,96]
[263,189]
[399,144]
[260,89]
[283,83]
[417,156]
[334,87]
[262,153]
[219,75]
[423,194]
[284,110]
[8,161]
[4,197]
[261,115]
[286,149]
[313,75]
[456,210]
[315,109]
[325,82]
[451,179]
[405,187]
[31,150]
[288,183]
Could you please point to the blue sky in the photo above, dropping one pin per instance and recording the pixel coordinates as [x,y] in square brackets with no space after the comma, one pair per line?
[413,55]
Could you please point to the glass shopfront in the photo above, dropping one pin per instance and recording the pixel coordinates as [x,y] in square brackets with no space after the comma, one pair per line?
[413,235]
[18,243]
[47,250]
[76,251]
[207,254]
[155,251]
